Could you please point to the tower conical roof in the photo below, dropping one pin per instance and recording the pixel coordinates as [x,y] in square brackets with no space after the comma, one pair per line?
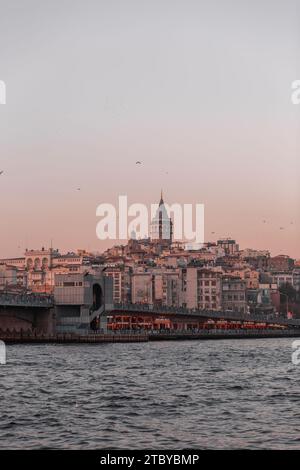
[161,202]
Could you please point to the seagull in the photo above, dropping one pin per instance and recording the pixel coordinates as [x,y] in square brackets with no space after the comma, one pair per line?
[1,172]
[138,163]
[281,228]
[78,189]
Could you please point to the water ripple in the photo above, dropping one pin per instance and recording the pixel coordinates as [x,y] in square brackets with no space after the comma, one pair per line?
[210,394]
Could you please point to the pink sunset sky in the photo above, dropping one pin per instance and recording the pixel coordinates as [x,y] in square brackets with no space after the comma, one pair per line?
[198,91]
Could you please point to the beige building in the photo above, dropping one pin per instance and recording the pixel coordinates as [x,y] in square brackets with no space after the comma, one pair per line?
[250,276]
[37,268]
[170,289]
[142,288]
[156,286]
[234,294]
[120,276]
[201,288]
[8,277]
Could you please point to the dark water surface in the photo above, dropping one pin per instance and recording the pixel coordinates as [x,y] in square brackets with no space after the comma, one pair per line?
[189,394]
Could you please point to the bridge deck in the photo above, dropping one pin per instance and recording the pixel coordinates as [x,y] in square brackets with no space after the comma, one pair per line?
[213,314]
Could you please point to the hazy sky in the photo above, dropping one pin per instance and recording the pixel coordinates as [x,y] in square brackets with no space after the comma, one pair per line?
[196,89]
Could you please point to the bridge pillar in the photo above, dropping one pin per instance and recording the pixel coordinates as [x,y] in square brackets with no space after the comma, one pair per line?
[45,321]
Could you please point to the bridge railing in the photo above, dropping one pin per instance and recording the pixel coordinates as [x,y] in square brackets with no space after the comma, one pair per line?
[26,300]
[222,332]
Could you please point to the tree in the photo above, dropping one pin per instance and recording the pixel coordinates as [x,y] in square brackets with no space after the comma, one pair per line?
[287,291]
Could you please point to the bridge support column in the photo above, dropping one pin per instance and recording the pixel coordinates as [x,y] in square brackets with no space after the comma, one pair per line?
[45,321]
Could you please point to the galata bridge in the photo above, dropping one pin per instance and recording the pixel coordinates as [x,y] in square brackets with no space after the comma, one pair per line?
[93,311]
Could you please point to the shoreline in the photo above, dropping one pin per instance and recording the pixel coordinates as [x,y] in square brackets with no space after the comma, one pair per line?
[144,338]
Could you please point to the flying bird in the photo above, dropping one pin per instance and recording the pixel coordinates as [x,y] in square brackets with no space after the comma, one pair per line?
[138,163]
[1,172]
